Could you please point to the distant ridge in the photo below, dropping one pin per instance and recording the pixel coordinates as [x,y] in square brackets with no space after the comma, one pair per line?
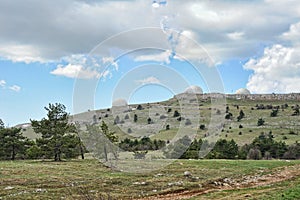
[290,96]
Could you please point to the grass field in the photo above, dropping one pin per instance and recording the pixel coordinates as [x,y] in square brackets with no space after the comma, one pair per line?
[89,179]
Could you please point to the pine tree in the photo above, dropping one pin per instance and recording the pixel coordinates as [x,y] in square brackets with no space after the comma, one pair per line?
[54,130]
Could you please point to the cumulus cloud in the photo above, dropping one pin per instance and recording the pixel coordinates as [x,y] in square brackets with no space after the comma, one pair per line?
[15,88]
[277,70]
[293,34]
[2,83]
[52,29]
[86,67]
[77,71]
[163,57]
[149,80]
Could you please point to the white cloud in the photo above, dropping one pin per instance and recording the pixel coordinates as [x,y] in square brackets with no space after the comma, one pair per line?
[111,61]
[235,35]
[81,25]
[15,88]
[2,83]
[277,70]
[293,34]
[76,71]
[21,53]
[149,80]
[163,57]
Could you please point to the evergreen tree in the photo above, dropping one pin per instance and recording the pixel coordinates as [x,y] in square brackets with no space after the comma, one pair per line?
[1,124]
[260,122]
[135,118]
[13,144]
[54,131]
[176,114]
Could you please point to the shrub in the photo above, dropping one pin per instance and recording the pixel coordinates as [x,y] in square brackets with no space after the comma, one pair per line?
[139,107]
[274,113]
[135,118]
[168,127]
[202,127]
[188,122]
[228,116]
[240,126]
[162,117]
[260,122]
[293,133]
[176,114]
[254,154]
[284,138]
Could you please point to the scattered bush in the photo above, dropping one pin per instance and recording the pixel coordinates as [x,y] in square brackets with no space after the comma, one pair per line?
[254,154]
[202,127]
[274,113]
[162,117]
[168,127]
[228,116]
[139,107]
[176,114]
[260,122]
[284,138]
[188,122]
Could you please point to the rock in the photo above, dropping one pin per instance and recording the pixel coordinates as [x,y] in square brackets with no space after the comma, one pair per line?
[8,188]
[248,195]
[40,190]
[158,175]
[140,183]
[179,183]
[187,173]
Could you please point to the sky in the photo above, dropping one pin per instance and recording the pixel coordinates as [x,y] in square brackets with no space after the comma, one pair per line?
[86,54]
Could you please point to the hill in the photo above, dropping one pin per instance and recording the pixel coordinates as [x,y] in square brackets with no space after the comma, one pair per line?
[208,110]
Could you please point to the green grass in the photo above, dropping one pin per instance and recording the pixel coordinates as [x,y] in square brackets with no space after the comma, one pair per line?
[89,179]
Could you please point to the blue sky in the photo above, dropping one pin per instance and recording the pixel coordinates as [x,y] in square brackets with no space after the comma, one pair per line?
[86,54]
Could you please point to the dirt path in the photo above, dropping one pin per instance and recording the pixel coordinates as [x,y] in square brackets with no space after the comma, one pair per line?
[250,181]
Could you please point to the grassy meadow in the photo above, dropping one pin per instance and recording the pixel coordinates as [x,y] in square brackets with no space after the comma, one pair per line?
[89,179]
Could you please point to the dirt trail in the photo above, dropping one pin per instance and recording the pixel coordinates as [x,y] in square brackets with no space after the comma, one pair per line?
[247,181]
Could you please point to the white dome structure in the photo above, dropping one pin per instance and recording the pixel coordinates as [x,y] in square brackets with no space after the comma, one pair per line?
[194,89]
[119,103]
[242,91]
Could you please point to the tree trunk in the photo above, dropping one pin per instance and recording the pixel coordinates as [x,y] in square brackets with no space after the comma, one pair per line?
[81,152]
[13,153]
[105,153]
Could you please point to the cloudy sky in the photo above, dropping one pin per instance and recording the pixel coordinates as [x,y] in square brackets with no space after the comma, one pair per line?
[85,54]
